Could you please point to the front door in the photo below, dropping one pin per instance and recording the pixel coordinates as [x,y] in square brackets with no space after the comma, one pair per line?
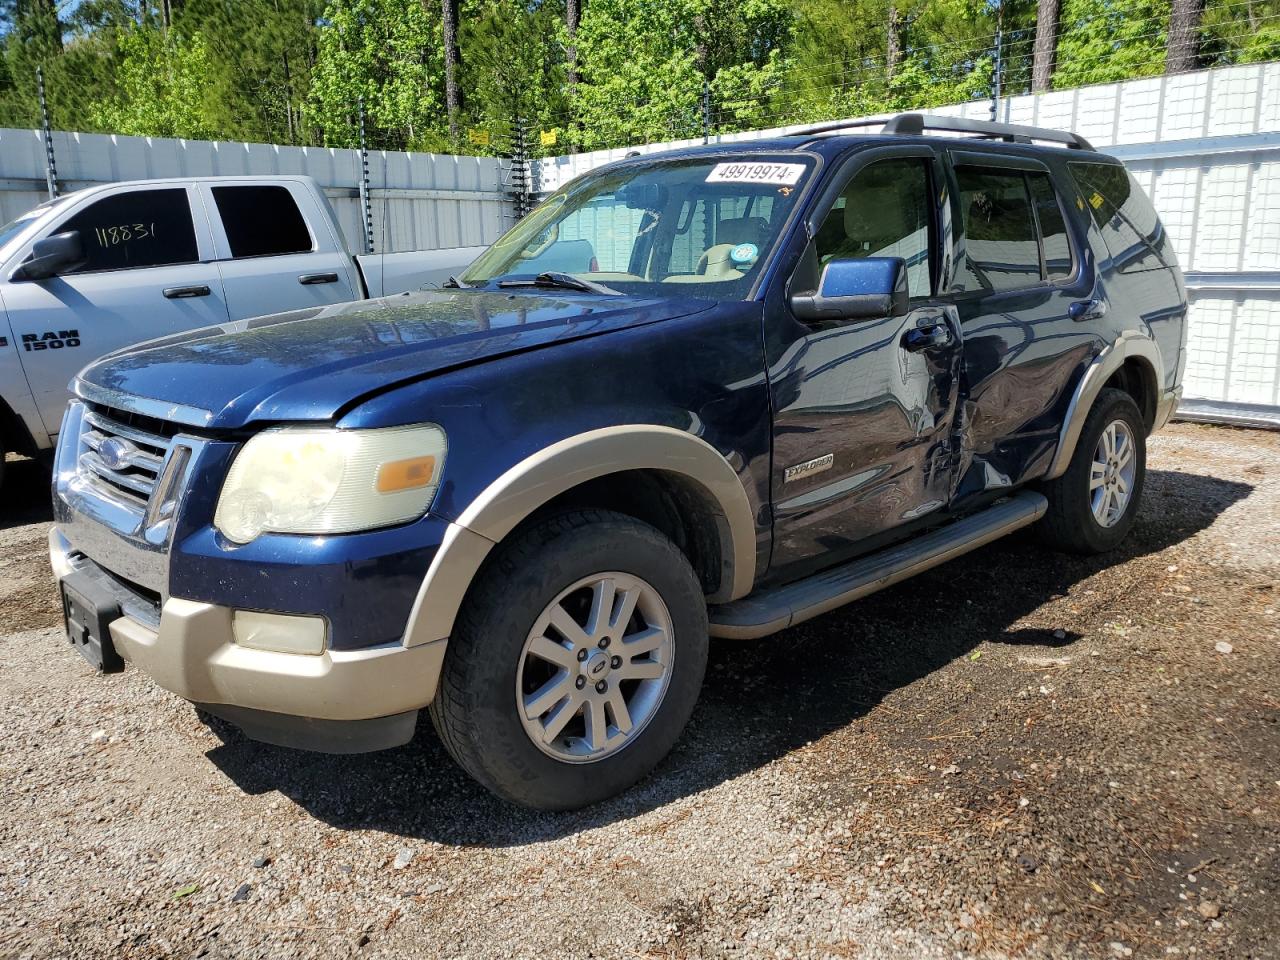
[863,414]
[144,277]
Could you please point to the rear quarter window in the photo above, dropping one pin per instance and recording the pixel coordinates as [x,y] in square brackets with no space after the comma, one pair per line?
[1127,222]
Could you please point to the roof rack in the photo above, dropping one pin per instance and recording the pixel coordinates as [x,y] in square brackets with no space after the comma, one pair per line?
[915,124]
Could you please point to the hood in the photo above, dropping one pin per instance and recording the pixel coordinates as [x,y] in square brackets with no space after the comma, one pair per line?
[309,364]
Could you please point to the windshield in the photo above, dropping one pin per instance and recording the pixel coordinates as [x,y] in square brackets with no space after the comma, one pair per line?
[701,227]
[22,221]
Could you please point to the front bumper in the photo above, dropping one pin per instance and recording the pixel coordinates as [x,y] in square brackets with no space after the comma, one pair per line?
[296,700]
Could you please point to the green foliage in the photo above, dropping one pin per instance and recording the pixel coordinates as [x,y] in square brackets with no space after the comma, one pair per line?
[1108,40]
[294,71]
[164,87]
[388,52]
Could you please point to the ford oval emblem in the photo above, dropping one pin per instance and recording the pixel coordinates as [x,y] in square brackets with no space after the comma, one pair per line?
[115,453]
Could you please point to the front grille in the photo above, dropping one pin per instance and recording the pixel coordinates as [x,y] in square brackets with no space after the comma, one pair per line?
[123,454]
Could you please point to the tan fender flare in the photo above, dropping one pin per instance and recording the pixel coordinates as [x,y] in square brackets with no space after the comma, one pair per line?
[1128,345]
[537,479]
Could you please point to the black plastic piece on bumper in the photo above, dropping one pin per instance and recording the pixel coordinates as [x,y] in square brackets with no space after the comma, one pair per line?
[321,736]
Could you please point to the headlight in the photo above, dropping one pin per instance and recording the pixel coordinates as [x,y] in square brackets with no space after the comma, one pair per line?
[324,480]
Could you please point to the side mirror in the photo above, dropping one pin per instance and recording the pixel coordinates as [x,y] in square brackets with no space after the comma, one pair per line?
[856,289]
[51,256]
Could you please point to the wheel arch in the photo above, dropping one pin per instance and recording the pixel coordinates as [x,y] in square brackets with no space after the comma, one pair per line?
[1133,364]
[699,476]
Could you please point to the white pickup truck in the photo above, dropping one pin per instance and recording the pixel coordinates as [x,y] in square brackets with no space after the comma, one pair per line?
[113,265]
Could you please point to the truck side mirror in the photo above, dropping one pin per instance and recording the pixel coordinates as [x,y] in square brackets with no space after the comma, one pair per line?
[856,289]
[51,256]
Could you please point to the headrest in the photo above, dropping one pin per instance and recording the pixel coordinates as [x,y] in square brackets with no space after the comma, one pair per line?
[742,230]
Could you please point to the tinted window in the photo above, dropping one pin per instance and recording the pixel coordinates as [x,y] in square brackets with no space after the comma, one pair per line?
[261,221]
[1053,229]
[1001,249]
[883,212]
[142,228]
[1125,218]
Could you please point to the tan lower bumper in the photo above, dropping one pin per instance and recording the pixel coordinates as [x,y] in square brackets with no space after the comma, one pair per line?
[194,656]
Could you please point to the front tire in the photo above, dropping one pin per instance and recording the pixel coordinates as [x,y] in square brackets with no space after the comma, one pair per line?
[575,662]
[1094,503]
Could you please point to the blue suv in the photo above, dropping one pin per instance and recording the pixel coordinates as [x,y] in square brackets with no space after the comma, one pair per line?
[710,392]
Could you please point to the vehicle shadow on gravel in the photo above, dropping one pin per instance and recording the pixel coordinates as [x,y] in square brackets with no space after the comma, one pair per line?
[25,496]
[761,700]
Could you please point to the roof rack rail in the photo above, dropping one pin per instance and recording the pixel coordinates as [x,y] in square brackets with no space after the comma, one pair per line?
[915,124]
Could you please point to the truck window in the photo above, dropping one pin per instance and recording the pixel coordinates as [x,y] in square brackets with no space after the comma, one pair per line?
[1001,248]
[883,212]
[1053,228]
[139,228]
[262,221]
[1125,218]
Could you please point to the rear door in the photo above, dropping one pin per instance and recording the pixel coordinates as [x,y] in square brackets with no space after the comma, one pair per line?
[862,440]
[146,274]
[1018,273]
[275,247]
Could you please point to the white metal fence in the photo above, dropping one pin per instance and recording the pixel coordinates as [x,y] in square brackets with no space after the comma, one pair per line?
[420,201]
[1206,148]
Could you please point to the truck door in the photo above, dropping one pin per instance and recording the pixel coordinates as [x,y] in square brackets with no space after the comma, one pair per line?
[276,248]
[145,275]
[1024,298]
[864,409]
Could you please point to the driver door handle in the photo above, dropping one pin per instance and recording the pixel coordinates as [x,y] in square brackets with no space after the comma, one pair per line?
[930,336]
[186,293]
[307,279]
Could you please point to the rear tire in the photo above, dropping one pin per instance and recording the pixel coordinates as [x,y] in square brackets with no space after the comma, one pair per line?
[550,704]
[1094,503]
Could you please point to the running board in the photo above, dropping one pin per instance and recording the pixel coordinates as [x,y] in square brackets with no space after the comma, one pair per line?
[769,611]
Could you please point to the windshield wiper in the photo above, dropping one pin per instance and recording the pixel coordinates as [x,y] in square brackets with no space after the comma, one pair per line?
[455,284]
[562,281]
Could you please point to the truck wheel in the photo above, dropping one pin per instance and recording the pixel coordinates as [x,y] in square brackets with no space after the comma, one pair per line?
[575,662]
[1093,505]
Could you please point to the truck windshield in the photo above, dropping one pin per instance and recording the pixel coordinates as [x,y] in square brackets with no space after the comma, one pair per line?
[702,227]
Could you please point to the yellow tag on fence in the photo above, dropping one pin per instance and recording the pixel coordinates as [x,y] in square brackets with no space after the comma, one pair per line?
[548,138]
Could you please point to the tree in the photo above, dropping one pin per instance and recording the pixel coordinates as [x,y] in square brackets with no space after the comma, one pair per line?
[1046,46]
[452,64]
[388,53]
[514,67]
[1103,41]
[164,87]
[572,17]
[1182,52]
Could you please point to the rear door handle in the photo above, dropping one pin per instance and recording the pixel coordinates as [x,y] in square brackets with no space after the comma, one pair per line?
[309,278]
[185,293]
[1091,309]
[928,337]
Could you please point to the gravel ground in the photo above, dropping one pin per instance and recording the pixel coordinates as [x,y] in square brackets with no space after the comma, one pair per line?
[1018,754]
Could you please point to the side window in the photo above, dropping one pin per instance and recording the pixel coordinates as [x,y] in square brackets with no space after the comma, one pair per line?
[1053,228]
[261,221]
[141,228]
[883,212]
[1125,218]
[1001,248]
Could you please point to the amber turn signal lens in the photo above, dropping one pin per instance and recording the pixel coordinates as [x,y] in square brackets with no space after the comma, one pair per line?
[405,474]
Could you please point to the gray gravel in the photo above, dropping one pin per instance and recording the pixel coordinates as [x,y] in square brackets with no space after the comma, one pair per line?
[1017,755]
